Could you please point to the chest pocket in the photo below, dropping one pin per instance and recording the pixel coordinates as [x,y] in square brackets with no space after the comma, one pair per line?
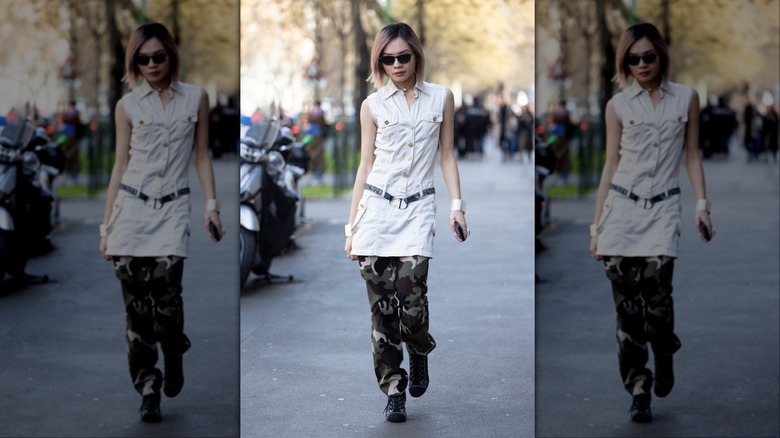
[386,126]
[431,123]
[674,125]
[634,127]
[184,126]
[142,134]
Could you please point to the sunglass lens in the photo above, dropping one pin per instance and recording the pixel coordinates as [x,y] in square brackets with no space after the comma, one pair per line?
[632,60]
[159,58]
[142,59]
[649,59]
[390,60]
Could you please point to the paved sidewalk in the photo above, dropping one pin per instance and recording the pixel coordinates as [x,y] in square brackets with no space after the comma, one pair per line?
[306,368]
[726,295]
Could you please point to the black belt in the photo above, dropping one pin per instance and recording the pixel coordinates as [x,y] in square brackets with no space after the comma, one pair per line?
[652,200]
[158,202]
[401,201]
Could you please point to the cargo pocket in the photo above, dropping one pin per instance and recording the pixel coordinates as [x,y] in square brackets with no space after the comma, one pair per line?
[432,124]
[361,210]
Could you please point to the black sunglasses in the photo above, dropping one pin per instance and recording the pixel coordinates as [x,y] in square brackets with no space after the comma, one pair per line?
[648,59]
[390,59]
[158,58]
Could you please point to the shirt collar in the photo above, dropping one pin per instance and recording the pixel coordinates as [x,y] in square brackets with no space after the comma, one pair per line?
[145,89]
[391,88]
[635,89]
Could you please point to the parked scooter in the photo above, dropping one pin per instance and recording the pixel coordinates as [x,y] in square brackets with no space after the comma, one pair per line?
[267,202]
[28,165]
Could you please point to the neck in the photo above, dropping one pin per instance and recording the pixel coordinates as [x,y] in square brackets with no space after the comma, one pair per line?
[161,85]
[650,86]
[406,85]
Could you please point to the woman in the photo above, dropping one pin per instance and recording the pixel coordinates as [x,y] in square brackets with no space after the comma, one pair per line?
[650,125]
[146,222]
[391,219]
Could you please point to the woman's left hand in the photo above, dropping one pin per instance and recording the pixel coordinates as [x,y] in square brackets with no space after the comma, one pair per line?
[459,217]
[703,216]
[213,217]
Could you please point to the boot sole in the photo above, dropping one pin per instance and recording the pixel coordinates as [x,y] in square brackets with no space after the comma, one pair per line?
[396,418]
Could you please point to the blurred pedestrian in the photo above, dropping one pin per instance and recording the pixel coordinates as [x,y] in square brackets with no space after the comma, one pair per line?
[72,131]
[476,126]
[392,216]
[769,129]
[146,226]
[562,128]
[650,125]
[316,130]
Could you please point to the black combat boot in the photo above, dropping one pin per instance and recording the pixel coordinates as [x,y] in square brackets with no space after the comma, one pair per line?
[174,374]
[150,408]
[640,409]
[664,374]
[395,410]
[418,374]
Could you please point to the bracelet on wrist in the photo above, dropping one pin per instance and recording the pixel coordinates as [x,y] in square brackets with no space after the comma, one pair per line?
[212,205]
[703,205]
[347,230]
[593,230]
[103,230]
[458,205]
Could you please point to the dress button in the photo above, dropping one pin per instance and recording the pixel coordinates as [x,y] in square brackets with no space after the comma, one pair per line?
[161,173]
[387,122]
[630,122]
[141,122]
[434,118]
[411,126]
[679,119]
[411,144]
[189,118]
[406,174]
[165,145]
[655,145]
[652,174]
[409,158]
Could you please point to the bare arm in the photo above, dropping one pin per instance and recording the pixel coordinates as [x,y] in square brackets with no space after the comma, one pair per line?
[448,163]
[613,131]
[123,130]
[693,163]
[367,145]
[203,162]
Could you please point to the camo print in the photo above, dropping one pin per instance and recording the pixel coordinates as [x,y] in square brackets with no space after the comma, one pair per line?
[151,288]
[397,292]
[642,291]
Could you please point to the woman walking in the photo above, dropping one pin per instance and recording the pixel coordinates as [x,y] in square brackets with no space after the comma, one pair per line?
[650,124]
[146,224]
[392,216]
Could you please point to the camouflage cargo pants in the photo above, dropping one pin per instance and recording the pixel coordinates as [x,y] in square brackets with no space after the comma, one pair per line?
[151,288]
[642,291]
[397,292]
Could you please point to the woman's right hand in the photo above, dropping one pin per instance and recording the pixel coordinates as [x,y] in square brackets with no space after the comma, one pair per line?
[593,247]
[348,248]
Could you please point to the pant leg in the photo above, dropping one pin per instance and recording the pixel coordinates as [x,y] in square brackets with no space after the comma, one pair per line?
[134,274]
[379,274]
[166,285]
[411,285]
[624,274]
[659,305]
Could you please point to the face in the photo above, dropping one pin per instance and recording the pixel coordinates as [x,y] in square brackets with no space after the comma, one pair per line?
[157,67]
[397,71]
[647,69]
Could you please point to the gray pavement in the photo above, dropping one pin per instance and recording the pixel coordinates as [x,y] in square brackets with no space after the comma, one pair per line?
[726,294]
[306,367]
[63,370]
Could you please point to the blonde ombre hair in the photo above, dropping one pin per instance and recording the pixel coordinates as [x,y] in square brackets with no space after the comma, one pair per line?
[383,38]
[141,35]
[629,37]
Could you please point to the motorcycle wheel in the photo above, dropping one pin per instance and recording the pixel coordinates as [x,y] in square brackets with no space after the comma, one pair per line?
[247,244]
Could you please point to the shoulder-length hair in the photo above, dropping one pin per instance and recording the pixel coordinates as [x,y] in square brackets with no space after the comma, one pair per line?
[383,38]
[632,35]
[141,35]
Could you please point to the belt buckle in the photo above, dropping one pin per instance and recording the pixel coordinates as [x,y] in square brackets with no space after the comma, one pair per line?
[403,204]
[648,200]
[157,202]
